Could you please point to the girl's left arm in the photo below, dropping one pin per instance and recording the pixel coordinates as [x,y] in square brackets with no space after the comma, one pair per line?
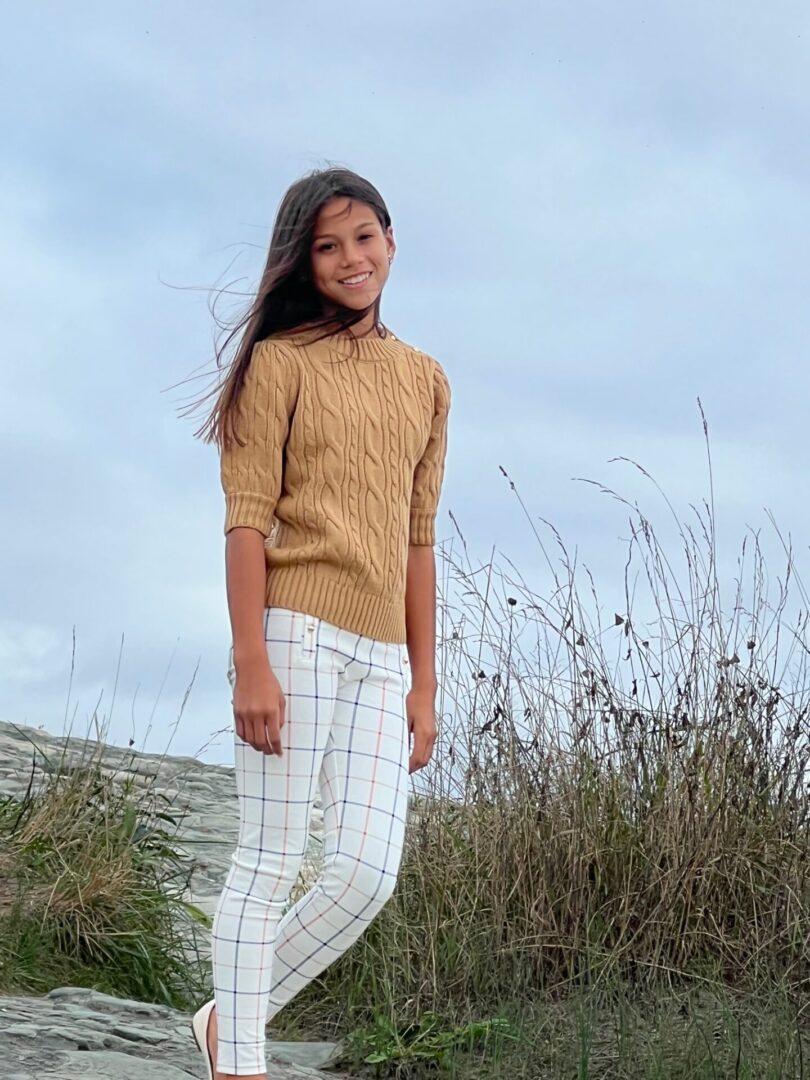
[420,617]
[420,584]
[420,620]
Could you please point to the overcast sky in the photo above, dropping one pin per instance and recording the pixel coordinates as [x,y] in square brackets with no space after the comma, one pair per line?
[601,213]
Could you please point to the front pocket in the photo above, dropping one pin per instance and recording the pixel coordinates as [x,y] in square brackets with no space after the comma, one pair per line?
[290,636]
[306,635]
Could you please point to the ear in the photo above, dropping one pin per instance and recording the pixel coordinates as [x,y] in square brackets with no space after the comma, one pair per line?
[389,241]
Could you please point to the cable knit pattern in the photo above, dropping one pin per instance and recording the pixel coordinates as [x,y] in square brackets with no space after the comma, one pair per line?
[341,469]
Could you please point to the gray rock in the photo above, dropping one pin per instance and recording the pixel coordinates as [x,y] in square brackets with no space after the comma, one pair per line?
[315,1055]
[79,1066]
[49,1037]
[101,1002]
[138,1034]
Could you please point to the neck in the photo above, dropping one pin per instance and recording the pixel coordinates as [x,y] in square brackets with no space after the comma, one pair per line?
[365,328]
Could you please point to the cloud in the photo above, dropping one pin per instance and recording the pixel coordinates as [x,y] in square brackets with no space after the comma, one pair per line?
[597,217]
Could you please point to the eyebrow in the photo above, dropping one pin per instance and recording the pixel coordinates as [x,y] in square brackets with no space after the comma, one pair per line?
[323,236]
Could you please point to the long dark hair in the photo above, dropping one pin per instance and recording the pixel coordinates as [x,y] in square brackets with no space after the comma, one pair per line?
[286,298]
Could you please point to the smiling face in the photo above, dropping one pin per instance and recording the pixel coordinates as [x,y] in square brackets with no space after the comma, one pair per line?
[350,255]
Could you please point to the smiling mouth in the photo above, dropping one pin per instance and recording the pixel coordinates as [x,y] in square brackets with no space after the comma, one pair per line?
[356,280]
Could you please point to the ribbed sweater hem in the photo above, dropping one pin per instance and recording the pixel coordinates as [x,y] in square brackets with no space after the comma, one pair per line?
[306,589]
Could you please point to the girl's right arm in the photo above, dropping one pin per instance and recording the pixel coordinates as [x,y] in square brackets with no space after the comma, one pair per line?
[251,472]
[258,700]
[245,585]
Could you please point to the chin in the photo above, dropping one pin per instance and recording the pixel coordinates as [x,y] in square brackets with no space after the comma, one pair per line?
[360,304]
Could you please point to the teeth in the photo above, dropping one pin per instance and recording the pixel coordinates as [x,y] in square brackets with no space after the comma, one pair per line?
[355,280]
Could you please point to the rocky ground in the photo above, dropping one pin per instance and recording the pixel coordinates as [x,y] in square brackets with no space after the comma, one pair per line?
[74,1033]
[78,1034]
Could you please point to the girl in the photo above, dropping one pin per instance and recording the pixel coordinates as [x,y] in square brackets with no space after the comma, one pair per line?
[332,434]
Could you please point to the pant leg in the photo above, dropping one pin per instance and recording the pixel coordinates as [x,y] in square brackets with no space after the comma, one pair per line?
[275,801]
[364,790]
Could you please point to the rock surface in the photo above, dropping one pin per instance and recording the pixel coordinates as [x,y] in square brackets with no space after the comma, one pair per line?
[72,1032]
[79,1034]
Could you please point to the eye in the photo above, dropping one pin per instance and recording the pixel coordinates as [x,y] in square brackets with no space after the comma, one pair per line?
[363,236]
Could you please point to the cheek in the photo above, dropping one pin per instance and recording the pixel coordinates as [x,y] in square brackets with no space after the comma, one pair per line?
[320,272]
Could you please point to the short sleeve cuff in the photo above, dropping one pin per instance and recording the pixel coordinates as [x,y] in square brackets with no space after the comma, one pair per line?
[422,530]
[250,511]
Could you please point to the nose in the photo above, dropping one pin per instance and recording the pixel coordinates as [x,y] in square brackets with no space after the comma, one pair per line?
[351,254]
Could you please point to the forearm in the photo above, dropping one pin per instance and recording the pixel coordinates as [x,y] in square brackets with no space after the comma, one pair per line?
[420,616]
[245,577]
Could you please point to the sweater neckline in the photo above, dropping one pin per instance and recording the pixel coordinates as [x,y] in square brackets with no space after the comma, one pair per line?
[363,348]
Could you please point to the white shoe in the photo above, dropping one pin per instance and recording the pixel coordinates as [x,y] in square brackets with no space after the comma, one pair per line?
[199,1028]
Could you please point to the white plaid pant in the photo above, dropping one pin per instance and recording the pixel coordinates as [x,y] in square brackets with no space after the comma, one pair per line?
[346,732]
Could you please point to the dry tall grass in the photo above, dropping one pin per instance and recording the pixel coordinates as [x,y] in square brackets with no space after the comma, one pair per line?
[626,806]
[93,886]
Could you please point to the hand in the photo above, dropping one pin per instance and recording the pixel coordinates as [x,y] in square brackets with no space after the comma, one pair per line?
[258,707]
[421,712]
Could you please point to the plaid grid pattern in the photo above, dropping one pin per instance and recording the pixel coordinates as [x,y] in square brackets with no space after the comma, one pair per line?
[345,731]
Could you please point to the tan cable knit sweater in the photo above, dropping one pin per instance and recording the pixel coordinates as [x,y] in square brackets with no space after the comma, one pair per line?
[342,469]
